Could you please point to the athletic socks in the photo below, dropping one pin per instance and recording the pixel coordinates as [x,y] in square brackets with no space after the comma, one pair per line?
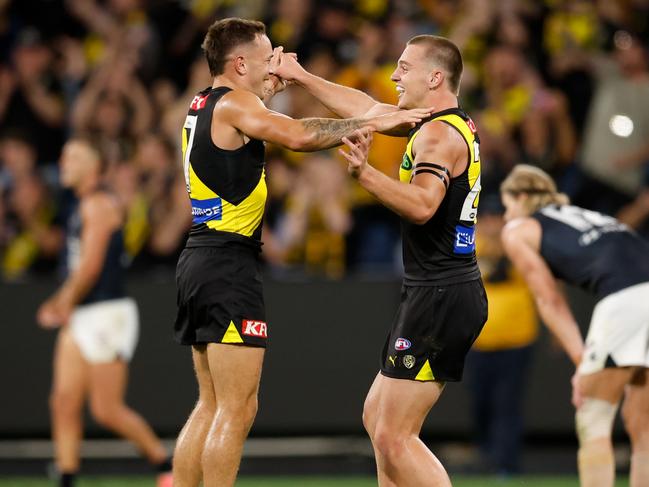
[67,479]
[596,464]
[164,466]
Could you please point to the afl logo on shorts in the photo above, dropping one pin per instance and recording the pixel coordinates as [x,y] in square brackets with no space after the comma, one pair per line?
[402,344]
[254,328]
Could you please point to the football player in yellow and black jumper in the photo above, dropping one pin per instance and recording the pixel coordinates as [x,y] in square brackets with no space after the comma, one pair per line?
[443,303]
[220,301]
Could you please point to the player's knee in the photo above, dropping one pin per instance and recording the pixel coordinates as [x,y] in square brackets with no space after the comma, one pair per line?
[63,403]
[250,410]
[636,423]
[594,419]
[205,408]
[369,416]
[105,414]
[389,443]
[238,412]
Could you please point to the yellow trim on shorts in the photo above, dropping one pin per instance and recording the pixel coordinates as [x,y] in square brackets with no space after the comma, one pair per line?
[232,335]
[425,373]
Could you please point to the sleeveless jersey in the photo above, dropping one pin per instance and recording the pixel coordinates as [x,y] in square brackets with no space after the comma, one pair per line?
[442,251]
[591,250]
[227,188]
[110,284]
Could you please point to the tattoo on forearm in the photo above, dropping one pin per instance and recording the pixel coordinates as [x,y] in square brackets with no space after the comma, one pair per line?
[327,132]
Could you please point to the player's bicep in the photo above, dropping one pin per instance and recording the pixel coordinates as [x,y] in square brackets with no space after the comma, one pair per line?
[432,168]
[435,154]
[250,116]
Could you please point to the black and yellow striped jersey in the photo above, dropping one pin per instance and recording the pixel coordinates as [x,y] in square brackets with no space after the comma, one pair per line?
[227,188]
[442,251]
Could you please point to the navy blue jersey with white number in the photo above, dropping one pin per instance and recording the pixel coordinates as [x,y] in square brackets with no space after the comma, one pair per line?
[591,250]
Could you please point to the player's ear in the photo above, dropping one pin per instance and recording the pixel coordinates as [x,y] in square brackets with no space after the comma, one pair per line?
[435,79]
[240,65]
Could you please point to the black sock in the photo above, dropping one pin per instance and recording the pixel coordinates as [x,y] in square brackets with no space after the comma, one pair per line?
[164,466]
[67,479]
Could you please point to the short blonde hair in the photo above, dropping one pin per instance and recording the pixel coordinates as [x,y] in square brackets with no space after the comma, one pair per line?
[539,187]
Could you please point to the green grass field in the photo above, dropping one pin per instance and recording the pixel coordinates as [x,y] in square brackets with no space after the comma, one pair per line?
[458,481]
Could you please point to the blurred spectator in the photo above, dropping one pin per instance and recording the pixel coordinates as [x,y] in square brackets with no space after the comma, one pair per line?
[158,212]
[114,108]
[288,22]
[498,365]
[29,240]
[120,25]
[121,70]
[636,213]
[30,96]
[616,140]
[174,114]
[373,239]
[314,218]
[523,120]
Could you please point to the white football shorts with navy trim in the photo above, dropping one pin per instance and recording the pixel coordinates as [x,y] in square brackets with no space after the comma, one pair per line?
[619,331]
[107,330]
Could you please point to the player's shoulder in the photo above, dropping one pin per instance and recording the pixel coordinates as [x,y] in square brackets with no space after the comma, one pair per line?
[101,205]
[439,137]
[237,100]
[440,131]
[522,230]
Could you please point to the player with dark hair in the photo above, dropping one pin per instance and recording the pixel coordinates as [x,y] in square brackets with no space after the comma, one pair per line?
[98,323]
[548,239]
[220,301]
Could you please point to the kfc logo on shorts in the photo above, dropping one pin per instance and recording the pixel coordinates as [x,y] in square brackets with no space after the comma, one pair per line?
[402,344]
[254,328]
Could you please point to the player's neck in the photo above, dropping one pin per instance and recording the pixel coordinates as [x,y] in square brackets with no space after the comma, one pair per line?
[440,100]
[229,82]
[224,80]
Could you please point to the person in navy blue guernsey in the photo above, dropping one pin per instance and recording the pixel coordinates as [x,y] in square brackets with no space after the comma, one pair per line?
[548,239]
[98,322]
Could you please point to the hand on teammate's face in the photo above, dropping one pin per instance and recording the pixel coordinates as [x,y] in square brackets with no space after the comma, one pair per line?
[284,65]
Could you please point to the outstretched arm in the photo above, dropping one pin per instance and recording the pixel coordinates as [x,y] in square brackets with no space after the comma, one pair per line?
[551,303]
[343,101]
[246,112]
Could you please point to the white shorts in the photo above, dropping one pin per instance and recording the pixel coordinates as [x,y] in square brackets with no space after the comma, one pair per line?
[107,330]
[619,330]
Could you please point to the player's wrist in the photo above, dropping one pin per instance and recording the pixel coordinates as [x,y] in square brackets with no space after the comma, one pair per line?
[305,79]
[363,174]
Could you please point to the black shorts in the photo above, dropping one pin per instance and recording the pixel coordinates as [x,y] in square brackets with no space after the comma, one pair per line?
[433,330]
[220,297]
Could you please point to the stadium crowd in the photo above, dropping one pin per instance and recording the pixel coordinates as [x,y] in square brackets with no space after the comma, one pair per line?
[560,84]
